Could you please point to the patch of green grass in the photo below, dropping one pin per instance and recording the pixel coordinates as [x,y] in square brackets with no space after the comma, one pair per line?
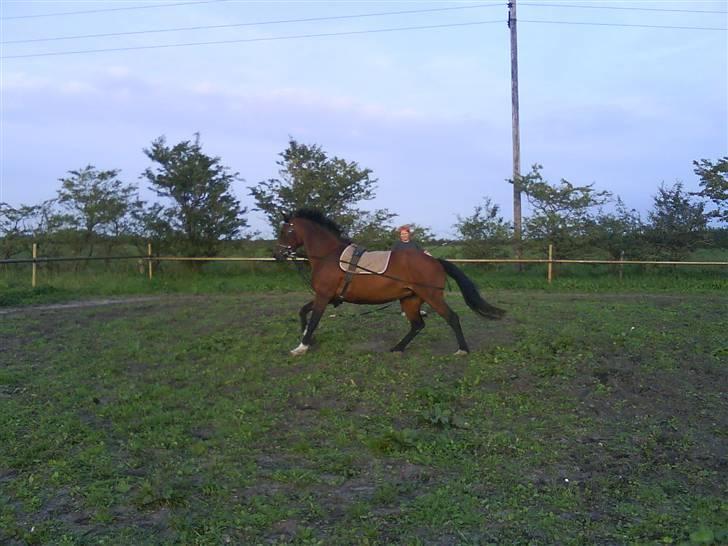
[578,419]
[67,281]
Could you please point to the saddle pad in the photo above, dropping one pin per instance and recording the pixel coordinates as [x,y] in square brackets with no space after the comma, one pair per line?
[369,263]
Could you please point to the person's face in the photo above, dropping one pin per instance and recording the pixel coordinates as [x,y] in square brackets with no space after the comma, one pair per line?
[404,236]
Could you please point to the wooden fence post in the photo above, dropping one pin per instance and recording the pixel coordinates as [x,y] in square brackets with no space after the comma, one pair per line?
[35,265]
[550,274]
[621,266]
[149,259]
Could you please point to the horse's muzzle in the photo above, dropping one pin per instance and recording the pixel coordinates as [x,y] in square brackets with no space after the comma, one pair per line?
[283,252]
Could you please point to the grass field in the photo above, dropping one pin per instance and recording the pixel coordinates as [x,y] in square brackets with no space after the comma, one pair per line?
[584,418]
[62,282]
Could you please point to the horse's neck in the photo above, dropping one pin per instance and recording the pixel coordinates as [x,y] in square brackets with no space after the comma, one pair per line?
[320,242]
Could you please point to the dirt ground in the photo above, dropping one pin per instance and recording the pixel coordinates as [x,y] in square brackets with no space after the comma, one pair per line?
[579,418]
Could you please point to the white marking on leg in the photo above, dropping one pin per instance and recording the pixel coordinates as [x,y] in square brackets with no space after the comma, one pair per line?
[460,352]
[301,349]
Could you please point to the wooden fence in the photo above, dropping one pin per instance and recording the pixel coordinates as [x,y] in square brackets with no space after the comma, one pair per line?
[150,259]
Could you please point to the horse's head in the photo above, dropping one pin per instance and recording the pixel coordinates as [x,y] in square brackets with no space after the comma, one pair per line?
[289,240]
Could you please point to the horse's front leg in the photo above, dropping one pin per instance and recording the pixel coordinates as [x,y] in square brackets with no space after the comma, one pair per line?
[411,307]
[303,314]
[318,305]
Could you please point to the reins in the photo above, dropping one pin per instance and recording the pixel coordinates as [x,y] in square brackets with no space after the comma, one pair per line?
[382,308]
[306,276]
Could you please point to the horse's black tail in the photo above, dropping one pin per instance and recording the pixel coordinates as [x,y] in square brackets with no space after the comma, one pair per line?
[470,292]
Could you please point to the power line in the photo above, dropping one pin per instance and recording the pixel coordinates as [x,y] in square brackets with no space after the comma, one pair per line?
[248,40]
[259,23]
[346,33]
[622,8]
[176,4]
[627,25]
[61,13]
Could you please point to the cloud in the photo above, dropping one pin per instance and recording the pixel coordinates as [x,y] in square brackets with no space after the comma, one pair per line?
[75,87]
[108,119]
[69,99]
[20,81]
[431,166]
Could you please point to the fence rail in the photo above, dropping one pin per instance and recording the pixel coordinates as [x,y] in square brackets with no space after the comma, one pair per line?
[594,262]
[150,259]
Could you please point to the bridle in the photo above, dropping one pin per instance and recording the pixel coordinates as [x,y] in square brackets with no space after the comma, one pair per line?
[287,251]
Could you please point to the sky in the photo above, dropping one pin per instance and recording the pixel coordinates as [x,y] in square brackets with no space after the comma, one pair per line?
[605,97]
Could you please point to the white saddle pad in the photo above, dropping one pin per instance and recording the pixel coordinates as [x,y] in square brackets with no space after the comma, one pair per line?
[369,263]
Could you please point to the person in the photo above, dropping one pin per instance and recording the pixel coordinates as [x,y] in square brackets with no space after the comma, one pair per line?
[405,242]
[405,239]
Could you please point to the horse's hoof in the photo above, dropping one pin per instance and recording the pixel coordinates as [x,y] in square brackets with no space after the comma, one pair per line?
[300,350]
[396,351]
[460,352]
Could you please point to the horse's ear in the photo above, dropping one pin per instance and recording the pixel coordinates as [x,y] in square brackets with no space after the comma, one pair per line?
[286,217]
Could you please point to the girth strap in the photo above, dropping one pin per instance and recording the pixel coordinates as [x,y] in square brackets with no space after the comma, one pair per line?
[349,275]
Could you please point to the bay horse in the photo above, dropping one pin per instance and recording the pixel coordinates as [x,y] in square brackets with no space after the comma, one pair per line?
[412,277]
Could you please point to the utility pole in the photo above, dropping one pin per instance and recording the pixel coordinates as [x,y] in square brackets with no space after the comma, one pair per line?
[515,130]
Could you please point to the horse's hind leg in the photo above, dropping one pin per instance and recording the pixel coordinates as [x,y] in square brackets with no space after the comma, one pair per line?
[436,299]
[411,307]
[303,314]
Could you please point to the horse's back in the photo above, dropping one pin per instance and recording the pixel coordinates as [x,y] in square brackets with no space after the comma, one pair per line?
[408,271]
[417,267]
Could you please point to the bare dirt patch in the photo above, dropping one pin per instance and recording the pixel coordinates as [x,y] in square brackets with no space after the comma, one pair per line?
[184,416]
[31,309]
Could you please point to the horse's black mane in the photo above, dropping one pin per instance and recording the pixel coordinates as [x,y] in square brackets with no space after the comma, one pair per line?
[318,217]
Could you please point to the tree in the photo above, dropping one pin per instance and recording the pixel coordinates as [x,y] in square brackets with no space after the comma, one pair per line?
[484,231]
[714,181]
[48,221]
[309,178]
[619,231]
[562,214]
[26,224]
[15,226]
[677,223]
[372,229]
[153,223]
[96,202]
[202,210]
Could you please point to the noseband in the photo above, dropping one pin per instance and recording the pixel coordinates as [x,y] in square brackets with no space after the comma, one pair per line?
[286,251]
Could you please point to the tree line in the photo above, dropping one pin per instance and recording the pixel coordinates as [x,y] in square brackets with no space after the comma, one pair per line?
[95,212]
[576,220]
